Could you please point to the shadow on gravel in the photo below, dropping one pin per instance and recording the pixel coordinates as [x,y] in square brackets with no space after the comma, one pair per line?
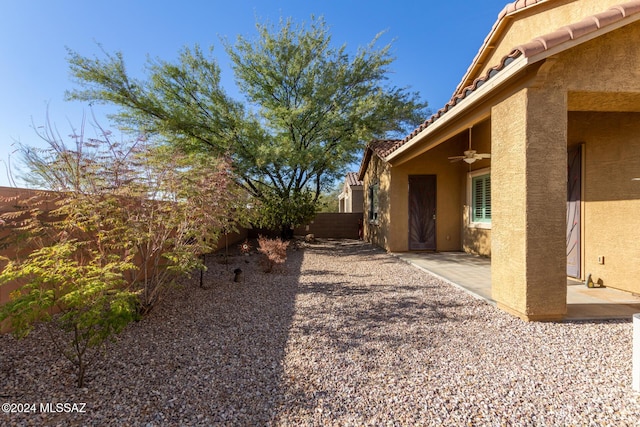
[334,289]
[358,309]
[322,273]
[372,321]
[210,356]
[242,336]
[384,324]
[597,321]
[215,356]
[346,247]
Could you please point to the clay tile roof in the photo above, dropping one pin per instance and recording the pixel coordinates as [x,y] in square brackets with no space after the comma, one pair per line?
[579,29]
[383,146]
[532,48]
[352,179]
[517,5]
[379,146]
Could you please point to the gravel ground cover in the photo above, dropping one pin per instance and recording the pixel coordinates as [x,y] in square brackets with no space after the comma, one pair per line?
[343,335]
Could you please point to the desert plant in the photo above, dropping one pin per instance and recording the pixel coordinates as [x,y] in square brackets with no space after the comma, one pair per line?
[114,204]
[140,199]
[77,290]
[274,251]
[193,200]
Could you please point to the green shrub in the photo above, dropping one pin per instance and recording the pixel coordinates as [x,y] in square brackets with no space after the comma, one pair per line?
[75,289]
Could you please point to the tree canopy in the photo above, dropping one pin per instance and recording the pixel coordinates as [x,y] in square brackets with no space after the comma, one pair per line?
[309,108]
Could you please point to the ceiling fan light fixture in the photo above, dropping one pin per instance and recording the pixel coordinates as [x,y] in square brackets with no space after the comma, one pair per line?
[470,155]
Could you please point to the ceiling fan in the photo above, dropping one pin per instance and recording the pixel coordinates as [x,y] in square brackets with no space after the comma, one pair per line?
[470,155]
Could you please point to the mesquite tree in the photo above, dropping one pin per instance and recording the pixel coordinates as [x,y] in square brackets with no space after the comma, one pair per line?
[310,108]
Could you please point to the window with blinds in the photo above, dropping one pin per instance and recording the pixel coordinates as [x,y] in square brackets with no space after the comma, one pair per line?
[481,198]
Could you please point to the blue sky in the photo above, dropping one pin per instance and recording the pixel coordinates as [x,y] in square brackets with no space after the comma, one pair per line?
[434,43]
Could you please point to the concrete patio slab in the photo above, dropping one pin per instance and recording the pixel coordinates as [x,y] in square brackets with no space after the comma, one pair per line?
[473,275]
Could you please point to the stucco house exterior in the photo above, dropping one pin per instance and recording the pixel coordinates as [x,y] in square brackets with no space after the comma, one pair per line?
[350,199]
[552,102]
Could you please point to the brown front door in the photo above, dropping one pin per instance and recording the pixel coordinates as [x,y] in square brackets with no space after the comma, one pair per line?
[422,212]
[574,190]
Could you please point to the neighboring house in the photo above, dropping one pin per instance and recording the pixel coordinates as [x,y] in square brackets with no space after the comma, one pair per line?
[351,200]
[553,96]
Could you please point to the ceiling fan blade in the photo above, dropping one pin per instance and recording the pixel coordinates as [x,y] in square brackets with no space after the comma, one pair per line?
[470,155]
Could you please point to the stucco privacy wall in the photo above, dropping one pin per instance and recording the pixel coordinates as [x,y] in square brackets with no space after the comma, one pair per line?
[7,204]
[611,200]
[332,225]
[546,16]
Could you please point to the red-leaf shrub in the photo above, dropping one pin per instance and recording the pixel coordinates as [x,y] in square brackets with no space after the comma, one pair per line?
[274,250]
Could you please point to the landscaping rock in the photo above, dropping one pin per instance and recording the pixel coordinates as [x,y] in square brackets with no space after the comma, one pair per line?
[346,335]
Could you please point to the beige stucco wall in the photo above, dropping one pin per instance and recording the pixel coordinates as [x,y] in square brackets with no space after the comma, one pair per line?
[612,149]
[453,233]
[508,222]
[528,177]
[611,200]
[449,192]
[355,199]
[533,120]
[476,240]
[10,196]
[541,19]
[530,137]
[609,64]
[377,232]
[350,199]
[391,230]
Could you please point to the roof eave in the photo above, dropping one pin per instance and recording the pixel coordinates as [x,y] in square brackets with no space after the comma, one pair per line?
[530,55]
[364,163]
[583,38]
[505,17]
[463,107]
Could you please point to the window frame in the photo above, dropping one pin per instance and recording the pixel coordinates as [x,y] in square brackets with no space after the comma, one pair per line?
[471,195]
[374,202]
